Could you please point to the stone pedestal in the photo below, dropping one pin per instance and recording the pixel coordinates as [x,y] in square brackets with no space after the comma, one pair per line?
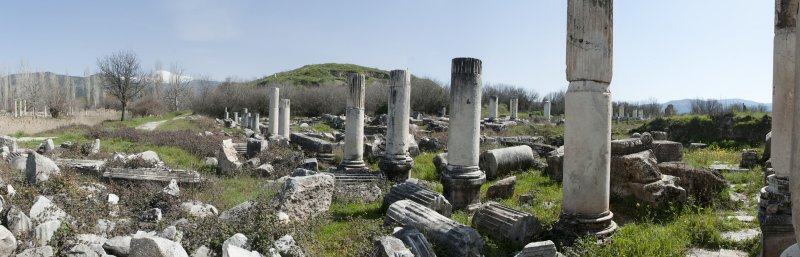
[285,119]
[493,101]
[274,110]
[587,137]
[396,162]
[462,179]
[354,125]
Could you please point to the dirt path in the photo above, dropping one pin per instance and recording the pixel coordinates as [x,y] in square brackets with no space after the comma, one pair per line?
[150,126]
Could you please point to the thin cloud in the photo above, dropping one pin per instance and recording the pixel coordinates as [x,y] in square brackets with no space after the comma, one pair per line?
[202,20]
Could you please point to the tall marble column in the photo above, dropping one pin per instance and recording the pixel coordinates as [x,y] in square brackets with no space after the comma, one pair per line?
[512,106]
[257,123]
[274,99]
[396,162]
[462,179]
[493,107]
[621,111]
[227,114]
[236,118]
[779,204]
[354,125]
[16,108]
[284,108]
[587,137]
[547,110]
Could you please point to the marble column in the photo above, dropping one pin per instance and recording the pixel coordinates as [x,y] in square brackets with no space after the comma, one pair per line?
[621,111]
[236,118]
[24,107]
[256,123]
[245,121]
[512,106]
[16,108]
[493,107]
[354,125]
[778,205]
[227,114]
[444,111]
[547,110]
[285,111]
[396,162]
[274,98]
[587,137]
[462,179]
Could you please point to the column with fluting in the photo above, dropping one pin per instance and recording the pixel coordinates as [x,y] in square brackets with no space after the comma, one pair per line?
[354,124]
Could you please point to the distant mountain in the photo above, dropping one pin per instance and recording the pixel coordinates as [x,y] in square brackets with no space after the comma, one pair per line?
[685,105]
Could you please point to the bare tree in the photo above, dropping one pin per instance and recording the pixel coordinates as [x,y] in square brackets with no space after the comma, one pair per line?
[557,101]
[122,77]
[708,106]
[178,89]
[57,94]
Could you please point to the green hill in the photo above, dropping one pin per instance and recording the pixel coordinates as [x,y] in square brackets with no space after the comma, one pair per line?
[322,74]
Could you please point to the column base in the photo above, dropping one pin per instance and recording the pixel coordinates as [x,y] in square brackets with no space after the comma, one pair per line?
[352,165]
[775,216]
[396,168]
[462,186]
[579,225]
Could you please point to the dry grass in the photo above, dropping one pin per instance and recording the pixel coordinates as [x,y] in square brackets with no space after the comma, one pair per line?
[29,125]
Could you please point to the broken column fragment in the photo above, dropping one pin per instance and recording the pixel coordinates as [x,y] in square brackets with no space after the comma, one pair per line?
[504,224]
[450,236]
[420,195]
[502,161]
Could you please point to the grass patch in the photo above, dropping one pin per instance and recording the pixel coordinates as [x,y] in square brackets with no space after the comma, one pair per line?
[707,156]
[172,156]
[423,167]
[651,237]
[230,191]
[546,204]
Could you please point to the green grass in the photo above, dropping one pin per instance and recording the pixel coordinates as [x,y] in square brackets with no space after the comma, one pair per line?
[423,167]
[317,74]
[649,237]
[231,191]
[322,127]
[177,125]
[546,204]
[707,156]
[172,156]
[350,231]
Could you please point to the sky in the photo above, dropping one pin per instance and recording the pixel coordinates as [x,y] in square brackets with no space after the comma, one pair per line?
[663,50]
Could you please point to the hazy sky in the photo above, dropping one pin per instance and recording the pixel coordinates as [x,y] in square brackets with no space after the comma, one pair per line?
[662,49]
